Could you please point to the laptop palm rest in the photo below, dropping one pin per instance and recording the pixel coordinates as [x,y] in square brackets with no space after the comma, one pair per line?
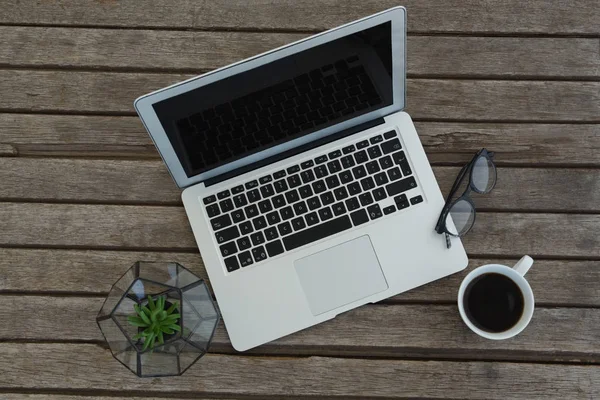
[340,275]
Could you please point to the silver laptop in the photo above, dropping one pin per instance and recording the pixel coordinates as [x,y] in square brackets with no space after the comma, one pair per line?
[306,185]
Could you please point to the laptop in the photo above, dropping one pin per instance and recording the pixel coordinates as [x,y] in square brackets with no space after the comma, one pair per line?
[305,184]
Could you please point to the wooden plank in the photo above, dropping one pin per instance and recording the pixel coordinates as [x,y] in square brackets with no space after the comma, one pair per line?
[76,271]
[148,182]
[86,366]
[197,51]
[23,396]
[158,227]
[74,135]
[428,331]
[533,16]
[109,92]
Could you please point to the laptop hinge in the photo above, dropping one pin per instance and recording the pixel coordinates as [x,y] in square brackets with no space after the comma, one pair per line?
[294,151]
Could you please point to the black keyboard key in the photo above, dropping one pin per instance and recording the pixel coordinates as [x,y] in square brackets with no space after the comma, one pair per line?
[334,166]
[267,190]
[307,176]
[354,188]
[209,199]
[274,248]
[286,213]
[271,233]
[391,146]
[246,228]
[379,194]
[399,157]
[359,172]
[220,222]
[265,206]
[374,211]
[305,191]
[245,259]
[293,169]
[232,264]
[416,200]
[374,152]
[280,186]
[278,201]
[348,161]
[292,196]
[321,160]
[252,184]
[259,223]
[318,232]
[321,171]
[361,157]
[257,238]
[389,135]
[244,243]
[362,144]
[346,177]
[237,189]
[313,203]
[238,216]
[376,139]
[386,162]
[332,181]
[394,174]
[259,254]
[223,194]
[294,181]
[253,196]
[372,167]
[365,199]
[319,187]
[226,205]
[348,149]
[228,234]
[212,210]
[265,179]
[327,198]
[381,179]
[400,199]
[273,218]
[389,210]
[367,183]
[352,204]
[298,223]
[359,217]
[325,214]
[335,154]
[279,174]
[401,204]
[228,249]
[405,168]
[403,185]
[338,208]
[312,219]
[340,193]
[240,200]
[300,208]
[251,211]
[284,228]
[307,164]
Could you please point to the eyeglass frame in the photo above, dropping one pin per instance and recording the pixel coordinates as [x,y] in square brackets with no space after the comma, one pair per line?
[441,227]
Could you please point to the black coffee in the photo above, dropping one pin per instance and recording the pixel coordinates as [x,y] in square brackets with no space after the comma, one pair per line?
[493,302]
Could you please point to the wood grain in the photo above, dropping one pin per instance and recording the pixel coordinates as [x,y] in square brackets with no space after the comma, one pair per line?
[196,51]
[459,16]
[86,366]
[148,182]
[92,136]
[77,271]
[22,396]
[431,331]
[109,92]
[158,227]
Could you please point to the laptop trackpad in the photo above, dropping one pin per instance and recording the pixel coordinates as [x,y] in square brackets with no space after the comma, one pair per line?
[340,275]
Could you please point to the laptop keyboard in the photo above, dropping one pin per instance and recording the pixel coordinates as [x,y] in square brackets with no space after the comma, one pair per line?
[310,201]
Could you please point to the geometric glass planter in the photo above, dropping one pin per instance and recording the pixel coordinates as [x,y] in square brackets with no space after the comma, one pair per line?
[198,319]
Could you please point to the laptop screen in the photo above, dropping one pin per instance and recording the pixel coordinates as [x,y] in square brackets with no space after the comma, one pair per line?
[280,101]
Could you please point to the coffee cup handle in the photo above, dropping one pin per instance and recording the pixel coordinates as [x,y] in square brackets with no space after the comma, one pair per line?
[523,265]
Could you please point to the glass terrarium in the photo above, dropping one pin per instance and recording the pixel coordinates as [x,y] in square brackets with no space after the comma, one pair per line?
[178,322]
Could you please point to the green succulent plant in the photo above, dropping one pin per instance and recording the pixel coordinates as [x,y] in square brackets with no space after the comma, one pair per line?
[155,321]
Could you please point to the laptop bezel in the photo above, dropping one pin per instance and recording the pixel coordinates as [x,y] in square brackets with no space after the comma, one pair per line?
[146,112]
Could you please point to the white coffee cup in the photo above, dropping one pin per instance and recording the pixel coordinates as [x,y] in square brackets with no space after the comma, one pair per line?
[516,274]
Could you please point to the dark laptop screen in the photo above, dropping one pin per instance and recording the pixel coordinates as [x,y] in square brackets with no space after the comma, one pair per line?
[280,101]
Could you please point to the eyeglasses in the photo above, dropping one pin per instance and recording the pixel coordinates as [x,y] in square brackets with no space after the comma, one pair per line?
[458,215]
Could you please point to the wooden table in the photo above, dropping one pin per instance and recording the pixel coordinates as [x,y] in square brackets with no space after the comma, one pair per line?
[83,194]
